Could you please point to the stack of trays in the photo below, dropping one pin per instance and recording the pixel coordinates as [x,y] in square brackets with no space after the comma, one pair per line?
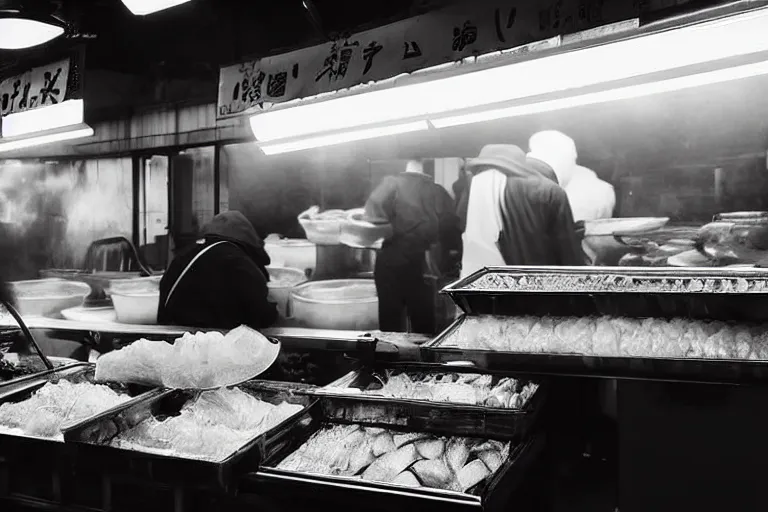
[416,449]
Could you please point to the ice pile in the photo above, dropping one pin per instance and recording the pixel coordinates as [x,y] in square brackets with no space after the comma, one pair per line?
[212,427]
[194,361]
[54,405]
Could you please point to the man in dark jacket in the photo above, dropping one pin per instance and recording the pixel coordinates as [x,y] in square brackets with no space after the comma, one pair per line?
[422,215]
[516,213]
[221,281]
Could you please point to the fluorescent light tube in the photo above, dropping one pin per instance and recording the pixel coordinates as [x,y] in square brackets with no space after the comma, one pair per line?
[39,140]
[697,44]
[341,138]
[17,33]
[66,113]
[621,93]
[144,7]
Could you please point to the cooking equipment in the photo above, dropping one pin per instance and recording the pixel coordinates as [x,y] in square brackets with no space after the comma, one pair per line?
[292,253]
[344,304]
[47,297]
[281,282]
[93,436]
[344,262]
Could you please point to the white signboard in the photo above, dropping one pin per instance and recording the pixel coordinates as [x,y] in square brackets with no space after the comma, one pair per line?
[38,87]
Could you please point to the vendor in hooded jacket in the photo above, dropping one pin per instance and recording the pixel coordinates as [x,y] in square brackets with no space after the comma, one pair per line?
[516,213]
[221,281]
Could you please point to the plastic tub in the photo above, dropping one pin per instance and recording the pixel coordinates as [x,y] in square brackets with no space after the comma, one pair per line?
[136,308]
[356,232]
[48,297]
[134,285]
[282,282]
[292,253]
[343,304]
[323,228]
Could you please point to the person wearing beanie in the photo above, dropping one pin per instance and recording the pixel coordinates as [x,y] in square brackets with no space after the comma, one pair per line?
[516,214]
[220,281]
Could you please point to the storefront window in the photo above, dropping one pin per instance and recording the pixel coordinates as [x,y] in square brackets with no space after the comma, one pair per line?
[192,193]
[48,211]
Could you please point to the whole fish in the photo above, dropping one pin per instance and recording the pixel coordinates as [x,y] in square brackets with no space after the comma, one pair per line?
[472,474]
[433,473]
[387,467]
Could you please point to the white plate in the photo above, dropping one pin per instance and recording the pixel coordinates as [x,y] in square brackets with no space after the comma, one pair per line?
[627,226]
[692,258]
[82,314]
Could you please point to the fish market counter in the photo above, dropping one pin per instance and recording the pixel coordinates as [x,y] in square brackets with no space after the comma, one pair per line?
[385,433]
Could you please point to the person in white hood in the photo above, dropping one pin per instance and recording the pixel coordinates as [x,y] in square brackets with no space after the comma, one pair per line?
[591,198]
[557,151]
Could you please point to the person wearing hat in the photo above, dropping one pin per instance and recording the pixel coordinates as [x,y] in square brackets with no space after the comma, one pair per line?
[516,213]
[220,281]
[421,214]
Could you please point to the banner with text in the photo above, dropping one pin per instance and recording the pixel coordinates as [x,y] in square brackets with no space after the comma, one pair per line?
[432,39]
[39,87]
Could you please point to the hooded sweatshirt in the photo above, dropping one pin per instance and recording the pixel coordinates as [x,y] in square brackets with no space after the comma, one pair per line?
[226,286]
[537,226]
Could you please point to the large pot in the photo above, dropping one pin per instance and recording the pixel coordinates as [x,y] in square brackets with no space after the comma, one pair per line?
[48,297]
[282,281]
[292,253]
[343,304]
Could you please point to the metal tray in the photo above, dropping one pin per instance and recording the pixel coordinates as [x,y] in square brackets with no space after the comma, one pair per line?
[46,375]
[269,480]
[91,436]
[720,294]
[642,368]
[41,468]
[452,419]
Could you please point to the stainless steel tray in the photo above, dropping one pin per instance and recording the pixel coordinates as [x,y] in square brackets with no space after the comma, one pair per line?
[38,468]
[613,280]
[716,294]
[492,496]
[438,352]
[442,418]
[92,436]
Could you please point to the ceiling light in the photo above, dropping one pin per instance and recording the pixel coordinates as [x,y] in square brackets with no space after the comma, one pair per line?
[144,7]
[621,93]
[341,138]
[626,59]
[66,113]
[71,133]
[19,30]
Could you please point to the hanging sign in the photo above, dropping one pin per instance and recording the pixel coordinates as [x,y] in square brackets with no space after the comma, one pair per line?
[432,39]
[39,87]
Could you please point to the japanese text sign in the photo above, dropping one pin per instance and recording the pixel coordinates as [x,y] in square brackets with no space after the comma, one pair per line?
[432,39]
[39,87]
